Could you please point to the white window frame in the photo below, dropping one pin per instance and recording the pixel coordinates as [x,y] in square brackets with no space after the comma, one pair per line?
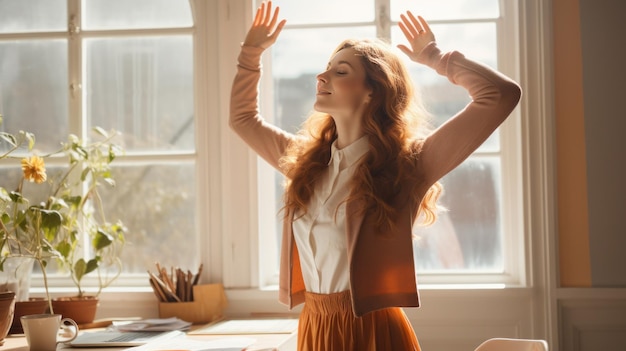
[512,199]
[227,174]
[533,283]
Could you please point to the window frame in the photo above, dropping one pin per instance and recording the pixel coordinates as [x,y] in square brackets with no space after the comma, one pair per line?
[226,172]
[60,283]
[223,24]
[510,156]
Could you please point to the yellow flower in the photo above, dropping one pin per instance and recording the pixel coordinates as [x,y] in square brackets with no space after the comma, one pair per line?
[34,169]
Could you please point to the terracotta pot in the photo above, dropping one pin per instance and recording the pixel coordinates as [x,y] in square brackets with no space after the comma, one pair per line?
[81,309]
[7,309]
[23,308]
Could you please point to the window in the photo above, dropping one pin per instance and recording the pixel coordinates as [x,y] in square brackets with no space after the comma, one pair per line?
[191,192]
[119,65]
[194,192]
[472,242]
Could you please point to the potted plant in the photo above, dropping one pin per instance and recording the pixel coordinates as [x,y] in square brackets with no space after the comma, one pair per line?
[105,241]
[84,214]
[65,205]
[24,229]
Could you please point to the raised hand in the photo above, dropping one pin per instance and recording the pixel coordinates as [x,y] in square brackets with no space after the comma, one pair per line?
[417,32]
[264,30]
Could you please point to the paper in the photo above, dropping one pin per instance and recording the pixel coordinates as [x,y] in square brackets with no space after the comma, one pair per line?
[157,324]
[250,326]
[222,344]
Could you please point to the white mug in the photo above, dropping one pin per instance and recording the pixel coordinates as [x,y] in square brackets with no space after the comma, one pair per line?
[42,331]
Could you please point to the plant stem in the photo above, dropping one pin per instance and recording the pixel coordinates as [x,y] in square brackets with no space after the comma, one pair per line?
[45,284]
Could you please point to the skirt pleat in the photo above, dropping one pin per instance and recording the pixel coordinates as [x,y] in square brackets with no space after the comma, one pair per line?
[327,323]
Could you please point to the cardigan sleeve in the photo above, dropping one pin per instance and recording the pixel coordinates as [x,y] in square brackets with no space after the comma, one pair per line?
[493,98]
[267,140]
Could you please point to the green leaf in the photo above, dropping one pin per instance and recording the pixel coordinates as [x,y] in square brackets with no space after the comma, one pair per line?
[80,269]
[85,173]
[4,196]
[112,153]
[101,240]
[9,138]
[73,201]
[81,151]
[64,248]
[31,140]
[50,219]
[16,196]
[5,218]
[92,265]
[101,131]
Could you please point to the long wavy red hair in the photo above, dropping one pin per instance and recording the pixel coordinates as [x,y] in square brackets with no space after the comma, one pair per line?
[392,122]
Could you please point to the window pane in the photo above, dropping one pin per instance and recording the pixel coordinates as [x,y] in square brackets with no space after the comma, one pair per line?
[326,11]
[294,70]
[447,9]
[19,16]
[443,99]
[142,87]
[156,202]
[468,236]
[34,90]
[125,14]
[11,175]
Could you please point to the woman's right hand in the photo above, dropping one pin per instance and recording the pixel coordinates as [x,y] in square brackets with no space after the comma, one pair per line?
[417,31]
[264,30]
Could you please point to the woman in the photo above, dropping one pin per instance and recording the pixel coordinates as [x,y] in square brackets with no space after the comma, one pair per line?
[359,176]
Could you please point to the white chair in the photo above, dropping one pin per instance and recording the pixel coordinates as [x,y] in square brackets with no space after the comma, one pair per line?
[506,344]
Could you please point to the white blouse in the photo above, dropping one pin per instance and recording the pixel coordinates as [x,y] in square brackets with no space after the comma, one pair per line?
[320,233]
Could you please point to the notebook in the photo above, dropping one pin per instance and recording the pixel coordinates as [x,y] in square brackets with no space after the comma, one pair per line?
[249,326]
[113,338]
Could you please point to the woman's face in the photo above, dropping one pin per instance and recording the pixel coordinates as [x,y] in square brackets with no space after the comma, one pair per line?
[341,89]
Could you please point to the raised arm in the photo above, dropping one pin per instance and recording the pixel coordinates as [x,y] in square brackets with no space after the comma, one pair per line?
[245,117]
[494,96]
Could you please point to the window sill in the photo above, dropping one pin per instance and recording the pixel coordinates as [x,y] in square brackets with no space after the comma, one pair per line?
[141,301]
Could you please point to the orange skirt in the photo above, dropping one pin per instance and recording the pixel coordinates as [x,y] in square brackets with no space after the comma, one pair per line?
[327,323]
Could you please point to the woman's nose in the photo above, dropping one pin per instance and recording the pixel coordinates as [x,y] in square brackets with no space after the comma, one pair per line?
[321,77]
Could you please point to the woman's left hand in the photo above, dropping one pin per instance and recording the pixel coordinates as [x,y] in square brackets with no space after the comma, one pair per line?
[417,32]
[265,28]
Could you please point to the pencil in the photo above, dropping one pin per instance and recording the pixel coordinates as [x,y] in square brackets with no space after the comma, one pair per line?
[197,278]
[157,291]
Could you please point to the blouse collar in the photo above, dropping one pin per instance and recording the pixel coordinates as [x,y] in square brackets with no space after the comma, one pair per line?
[349,154]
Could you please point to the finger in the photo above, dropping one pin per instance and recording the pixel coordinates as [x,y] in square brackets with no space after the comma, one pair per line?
[416,23]
[424,24]
[268,13]
[278,29]
[405,31]
[405,49]
[274,18]
[407,28]
[258,15]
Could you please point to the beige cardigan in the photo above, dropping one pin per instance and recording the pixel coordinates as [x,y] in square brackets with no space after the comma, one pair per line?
[382,272]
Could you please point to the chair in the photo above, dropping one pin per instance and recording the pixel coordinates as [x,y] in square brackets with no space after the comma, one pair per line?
[505,344]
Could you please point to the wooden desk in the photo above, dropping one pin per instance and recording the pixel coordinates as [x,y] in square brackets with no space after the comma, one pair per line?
[264,342]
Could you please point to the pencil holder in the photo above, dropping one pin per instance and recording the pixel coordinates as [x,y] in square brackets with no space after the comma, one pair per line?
[208,305]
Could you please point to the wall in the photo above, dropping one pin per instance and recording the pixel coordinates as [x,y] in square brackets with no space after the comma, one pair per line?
[589,78]
[604,55]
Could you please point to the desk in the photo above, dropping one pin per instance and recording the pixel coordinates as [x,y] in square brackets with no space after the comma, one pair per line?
[264,342]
